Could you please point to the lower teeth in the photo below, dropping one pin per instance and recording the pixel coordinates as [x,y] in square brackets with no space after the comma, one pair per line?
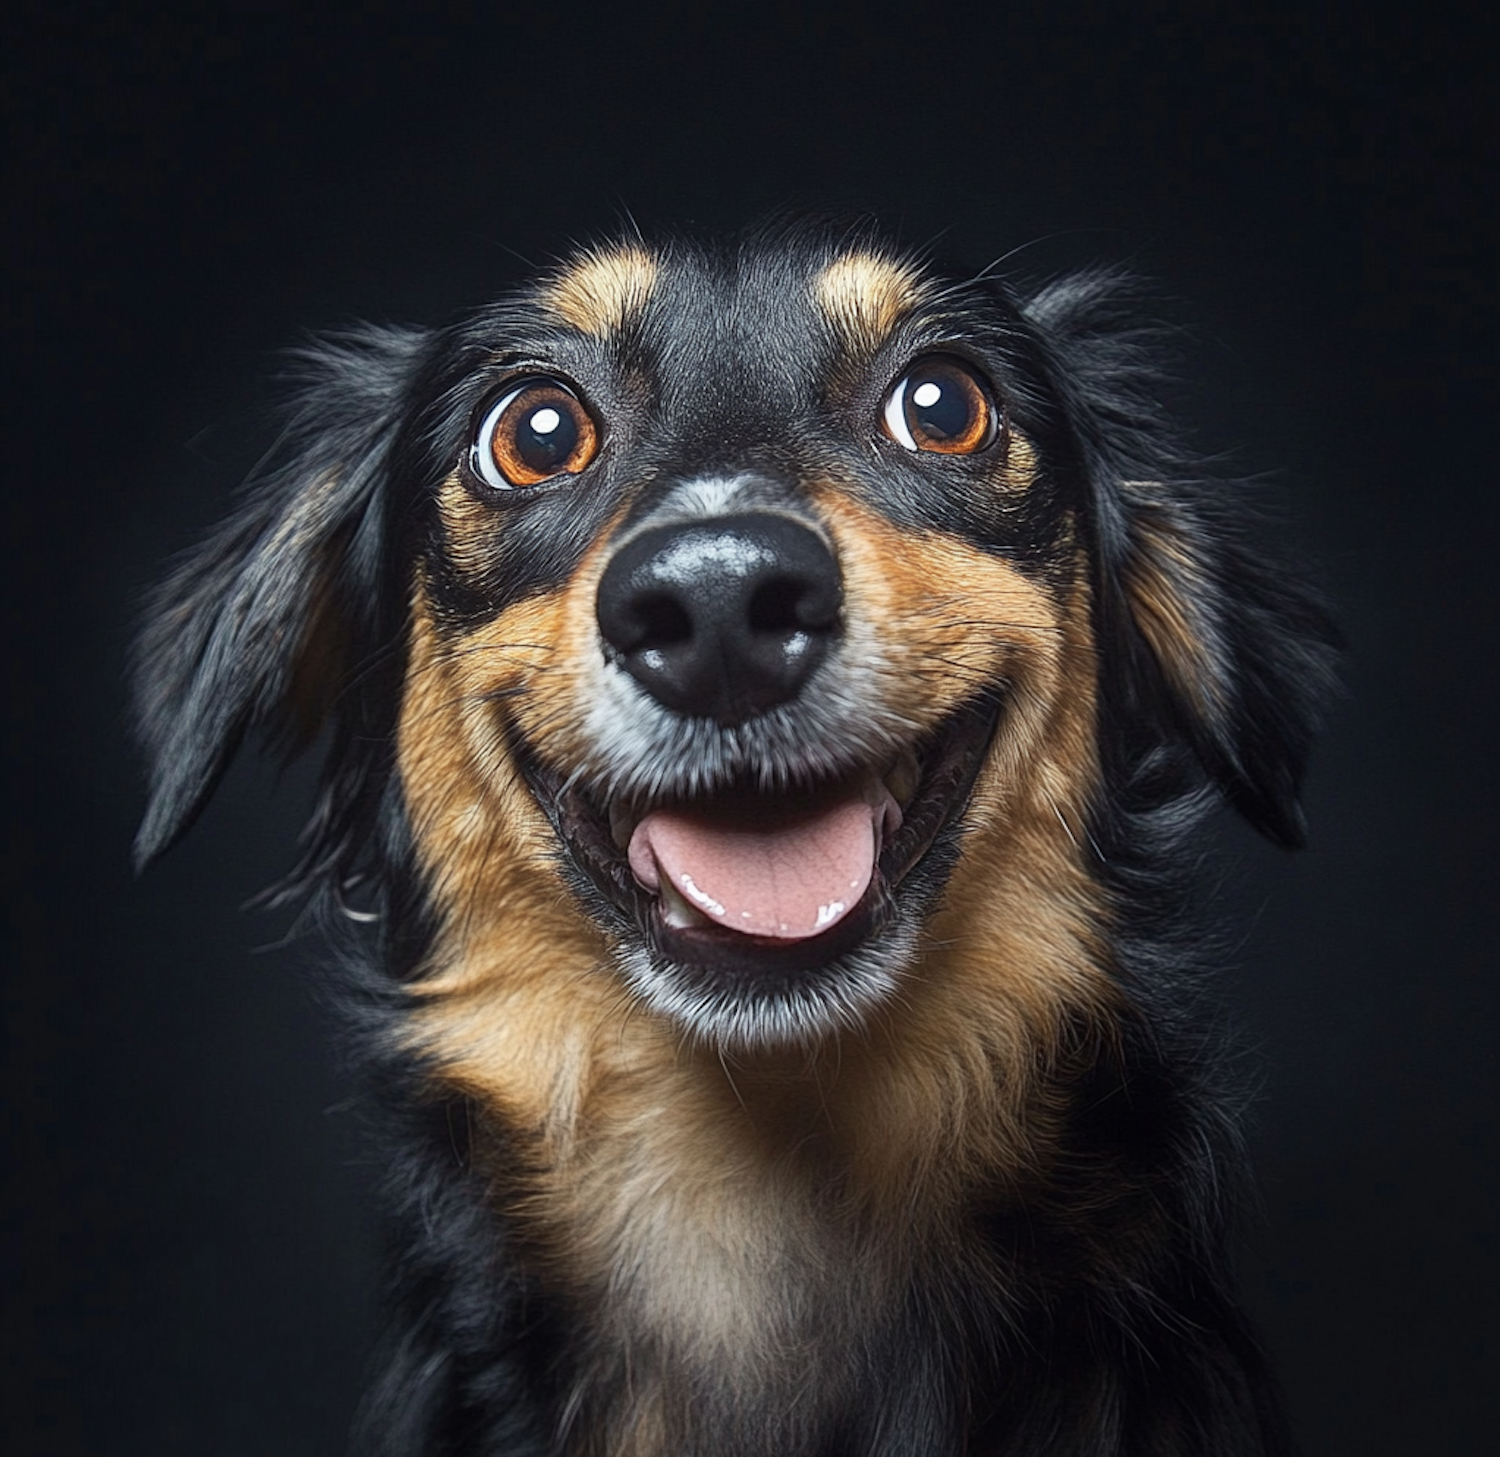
[676,912]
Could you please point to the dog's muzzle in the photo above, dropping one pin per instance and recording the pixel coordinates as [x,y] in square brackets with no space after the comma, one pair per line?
[725,619]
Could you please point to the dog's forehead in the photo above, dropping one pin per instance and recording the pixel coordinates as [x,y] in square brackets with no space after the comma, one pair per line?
[780,304]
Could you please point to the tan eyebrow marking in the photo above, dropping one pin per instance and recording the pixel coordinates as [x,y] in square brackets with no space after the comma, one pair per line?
[603,290]
[865,295]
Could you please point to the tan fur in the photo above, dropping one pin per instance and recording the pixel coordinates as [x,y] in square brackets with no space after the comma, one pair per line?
[1015,947]
[711,1202]
[865,295]
[601,292]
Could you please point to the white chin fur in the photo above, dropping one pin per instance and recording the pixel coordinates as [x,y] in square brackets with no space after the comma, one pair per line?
[836,1000]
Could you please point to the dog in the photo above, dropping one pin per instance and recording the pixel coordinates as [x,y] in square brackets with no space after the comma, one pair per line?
[767,692]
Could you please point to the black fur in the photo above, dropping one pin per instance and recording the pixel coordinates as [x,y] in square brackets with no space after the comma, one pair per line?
[290,622]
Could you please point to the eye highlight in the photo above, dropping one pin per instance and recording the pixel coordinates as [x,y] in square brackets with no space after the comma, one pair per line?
[940,404]
[534,432]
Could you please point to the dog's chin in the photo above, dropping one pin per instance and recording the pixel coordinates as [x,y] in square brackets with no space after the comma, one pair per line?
[773,987]
[748,1004]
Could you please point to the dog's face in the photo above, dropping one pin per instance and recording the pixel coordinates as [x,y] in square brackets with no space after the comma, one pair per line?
[754,634]
[748,602]
[764,688]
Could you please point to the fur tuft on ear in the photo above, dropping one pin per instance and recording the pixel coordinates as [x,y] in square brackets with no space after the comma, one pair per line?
[262,627]
[1218,648]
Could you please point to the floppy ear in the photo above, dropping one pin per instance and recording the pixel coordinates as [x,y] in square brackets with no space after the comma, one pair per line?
[1211,644]
[1241,650]
[262,626]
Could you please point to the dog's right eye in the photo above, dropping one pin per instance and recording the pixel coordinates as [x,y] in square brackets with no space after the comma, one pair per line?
[535,431]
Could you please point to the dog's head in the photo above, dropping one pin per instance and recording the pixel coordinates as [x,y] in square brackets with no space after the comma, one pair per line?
[746,619]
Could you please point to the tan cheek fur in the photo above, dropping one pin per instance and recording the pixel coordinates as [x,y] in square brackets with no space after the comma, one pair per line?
[706,1201]
[944,1087]
[513,989]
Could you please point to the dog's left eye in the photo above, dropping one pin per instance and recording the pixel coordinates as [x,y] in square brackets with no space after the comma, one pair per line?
[532,433]
[941,404]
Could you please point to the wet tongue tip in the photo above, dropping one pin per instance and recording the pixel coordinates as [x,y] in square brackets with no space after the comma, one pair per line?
[789,880]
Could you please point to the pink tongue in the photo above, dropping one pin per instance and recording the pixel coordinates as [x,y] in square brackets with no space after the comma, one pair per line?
[788,878]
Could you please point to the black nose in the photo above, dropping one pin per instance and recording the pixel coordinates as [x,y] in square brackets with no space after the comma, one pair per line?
[723,618]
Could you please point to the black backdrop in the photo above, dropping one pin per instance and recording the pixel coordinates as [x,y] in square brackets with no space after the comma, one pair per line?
[191,1241]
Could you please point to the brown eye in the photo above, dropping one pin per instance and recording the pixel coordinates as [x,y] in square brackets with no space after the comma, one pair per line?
[941,404]
[532,433]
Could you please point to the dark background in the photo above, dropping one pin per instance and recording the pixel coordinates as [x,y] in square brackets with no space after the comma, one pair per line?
[191,1243]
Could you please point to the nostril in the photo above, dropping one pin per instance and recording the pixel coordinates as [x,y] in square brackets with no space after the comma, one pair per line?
[774,607]
[663,622]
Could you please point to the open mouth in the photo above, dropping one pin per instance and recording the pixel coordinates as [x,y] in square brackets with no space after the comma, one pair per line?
[753,883]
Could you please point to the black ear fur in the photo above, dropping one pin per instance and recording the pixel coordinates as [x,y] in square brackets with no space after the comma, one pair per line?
[1207,642]
[262,627]
[1240,651]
